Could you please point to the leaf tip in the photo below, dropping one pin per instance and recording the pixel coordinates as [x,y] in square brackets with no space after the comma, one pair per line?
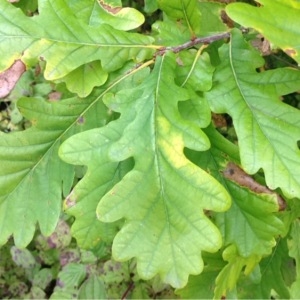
[70,201]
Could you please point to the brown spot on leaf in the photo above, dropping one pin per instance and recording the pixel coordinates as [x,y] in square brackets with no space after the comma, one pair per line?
[69,202]
[81,120]
[239,176]
[54,96]
[290,52]
[10,77]
[262,45]
[179,62]
[110,9]
[226,20]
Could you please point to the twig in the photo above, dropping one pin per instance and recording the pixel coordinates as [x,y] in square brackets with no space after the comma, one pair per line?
[129,289]
[200,40]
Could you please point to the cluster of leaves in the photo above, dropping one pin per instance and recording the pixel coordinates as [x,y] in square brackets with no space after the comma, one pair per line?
[54,267]
[127,138]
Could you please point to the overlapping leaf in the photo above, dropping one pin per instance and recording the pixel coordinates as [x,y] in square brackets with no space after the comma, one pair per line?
[261,120]
[186,10]
[250,222]
[162,198]
[194,71]
[32,176]
[82,202]
[83,79]
[95,12]
[294,251]
[74,44]
[211,17]
[228,277]
[271,20]
[202,286]
[101,176]
[272,272]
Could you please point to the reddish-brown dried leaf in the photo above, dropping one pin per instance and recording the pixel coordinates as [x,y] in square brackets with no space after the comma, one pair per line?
[10,77]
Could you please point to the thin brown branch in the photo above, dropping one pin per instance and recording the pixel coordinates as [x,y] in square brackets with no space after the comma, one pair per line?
[200,40]
[128,290]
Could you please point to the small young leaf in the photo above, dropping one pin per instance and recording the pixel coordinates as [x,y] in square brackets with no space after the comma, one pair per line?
[92,288]
[228,277]
[71,276]
[23,258]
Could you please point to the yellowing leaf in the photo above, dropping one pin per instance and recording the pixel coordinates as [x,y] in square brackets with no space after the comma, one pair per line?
[122,18]
[277,20]
[228,277]
[162,198]
[74,44]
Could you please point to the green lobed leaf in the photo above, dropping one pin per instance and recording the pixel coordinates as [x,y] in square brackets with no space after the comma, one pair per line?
[74,44]
[170,33]
[294,251]
[83,79]
[95,12]
[32,177]
[167,231]
[194,72]
[211,17]
[228,277]
[187,11]
[272,272]
[68,281]
[270,19]
[122,18]
[260,119]
[83,201]
[100,177]
[250,223]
